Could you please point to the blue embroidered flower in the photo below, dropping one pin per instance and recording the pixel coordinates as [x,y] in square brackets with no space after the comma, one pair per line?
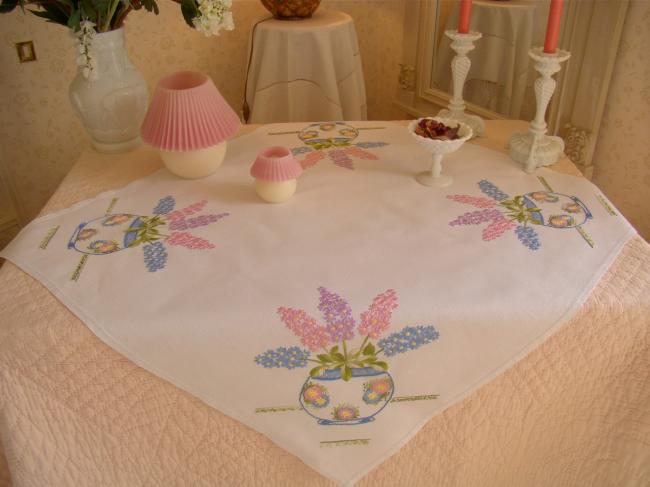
[283,357]
[410,338]
[164,206]
[155,256]
[370,145]
[492,191]
[296,151]
[528,237]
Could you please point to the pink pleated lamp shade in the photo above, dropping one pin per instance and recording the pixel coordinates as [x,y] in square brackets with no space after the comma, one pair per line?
[187,113]
[276,164]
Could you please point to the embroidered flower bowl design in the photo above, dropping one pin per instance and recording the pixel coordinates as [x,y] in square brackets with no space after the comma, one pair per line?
[501,213]
[328,134]
[557,210]
[106,234]
[166,227]
[331,400]
[333,141]
[348,382]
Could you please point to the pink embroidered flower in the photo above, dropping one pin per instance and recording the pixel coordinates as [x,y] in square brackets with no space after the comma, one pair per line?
[376,319]
[337,314]
[311,335]
[361,153]
[478,201]
[188,240]
[188,210]
[113,220]
[86,233]
[312,159]
[345,412]
[498,227]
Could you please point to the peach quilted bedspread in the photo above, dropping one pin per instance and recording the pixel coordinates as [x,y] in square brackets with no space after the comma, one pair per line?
[73,412]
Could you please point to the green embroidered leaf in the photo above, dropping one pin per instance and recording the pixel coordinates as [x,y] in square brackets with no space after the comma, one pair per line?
[316,371]
[380,365]
[324,358]
[334,349]
[369,349]
[346,375]
[338,357]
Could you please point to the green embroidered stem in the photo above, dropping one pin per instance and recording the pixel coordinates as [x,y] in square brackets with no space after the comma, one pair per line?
[333,359]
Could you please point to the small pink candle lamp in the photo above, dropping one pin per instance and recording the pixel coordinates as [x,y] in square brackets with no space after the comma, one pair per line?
[275,171]
[189,122]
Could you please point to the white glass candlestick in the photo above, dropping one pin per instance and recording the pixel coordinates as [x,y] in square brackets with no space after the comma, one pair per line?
[461,44]
[534,148]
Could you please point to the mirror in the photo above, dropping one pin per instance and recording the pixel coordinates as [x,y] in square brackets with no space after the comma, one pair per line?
[502,74]
[500,83]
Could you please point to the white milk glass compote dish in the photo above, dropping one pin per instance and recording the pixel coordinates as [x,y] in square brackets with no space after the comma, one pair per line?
[438,147]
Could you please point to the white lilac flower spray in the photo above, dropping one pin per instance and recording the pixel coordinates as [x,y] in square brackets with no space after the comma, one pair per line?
[86,59]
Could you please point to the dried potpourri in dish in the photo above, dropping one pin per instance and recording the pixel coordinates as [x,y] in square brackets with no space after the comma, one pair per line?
[432,129]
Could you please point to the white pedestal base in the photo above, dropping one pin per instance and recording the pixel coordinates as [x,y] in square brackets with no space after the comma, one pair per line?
[531,153]
[427,179]
[116,147]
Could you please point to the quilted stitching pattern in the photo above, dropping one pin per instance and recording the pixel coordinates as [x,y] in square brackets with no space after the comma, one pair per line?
[73,412]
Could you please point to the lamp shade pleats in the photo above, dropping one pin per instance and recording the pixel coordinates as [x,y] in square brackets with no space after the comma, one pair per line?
[187,113]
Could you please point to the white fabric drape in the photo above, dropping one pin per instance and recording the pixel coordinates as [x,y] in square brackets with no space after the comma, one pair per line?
[306,70]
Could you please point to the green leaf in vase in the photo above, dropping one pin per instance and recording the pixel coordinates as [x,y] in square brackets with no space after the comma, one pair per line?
[346,374]
[369,349]
[316,371]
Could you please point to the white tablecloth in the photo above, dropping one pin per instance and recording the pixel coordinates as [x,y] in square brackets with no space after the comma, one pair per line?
[224,297]
[306,70]
[500,70]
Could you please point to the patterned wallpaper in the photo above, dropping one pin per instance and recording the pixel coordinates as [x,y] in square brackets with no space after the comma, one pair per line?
[622,156]
[40,134]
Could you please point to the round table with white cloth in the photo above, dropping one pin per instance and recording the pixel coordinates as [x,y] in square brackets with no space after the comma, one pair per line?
[306,70]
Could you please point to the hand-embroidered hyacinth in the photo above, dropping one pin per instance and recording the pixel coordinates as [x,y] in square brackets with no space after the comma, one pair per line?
[283,357]
[521,213]
[337,314]
[376,320]
[333,141]
[348,384]
[410,338]
[166,227]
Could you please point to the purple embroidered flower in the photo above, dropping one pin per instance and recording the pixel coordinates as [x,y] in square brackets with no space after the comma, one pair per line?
[337,314]
[311,335]
[477,217]
[341,158]
[376,319]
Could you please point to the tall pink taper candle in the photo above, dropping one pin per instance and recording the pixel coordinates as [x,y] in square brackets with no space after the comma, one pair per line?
[553,26]
[463,19]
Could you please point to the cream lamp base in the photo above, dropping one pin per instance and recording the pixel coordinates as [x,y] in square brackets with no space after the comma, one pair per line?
[275,191]
[194,164]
